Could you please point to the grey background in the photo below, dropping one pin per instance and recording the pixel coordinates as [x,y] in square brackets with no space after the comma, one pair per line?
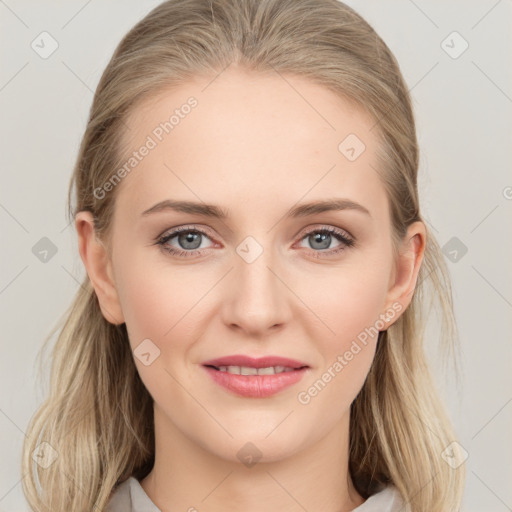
[463,110]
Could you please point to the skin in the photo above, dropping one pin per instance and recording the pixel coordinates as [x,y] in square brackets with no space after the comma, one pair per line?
[256,148]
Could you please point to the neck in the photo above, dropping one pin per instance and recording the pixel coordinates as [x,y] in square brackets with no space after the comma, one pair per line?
[188,477]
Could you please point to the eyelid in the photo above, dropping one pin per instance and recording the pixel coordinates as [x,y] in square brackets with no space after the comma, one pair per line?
[175,231]
[347,239]
[324,227]
[301,234]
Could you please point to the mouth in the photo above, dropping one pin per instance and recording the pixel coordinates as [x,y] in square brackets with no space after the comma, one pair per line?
[250,370]
[257,378]
[260,363]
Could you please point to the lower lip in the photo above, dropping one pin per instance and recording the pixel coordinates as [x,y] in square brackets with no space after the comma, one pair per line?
[256,386]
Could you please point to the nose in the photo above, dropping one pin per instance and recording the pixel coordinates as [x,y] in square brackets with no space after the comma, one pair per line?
[257,297]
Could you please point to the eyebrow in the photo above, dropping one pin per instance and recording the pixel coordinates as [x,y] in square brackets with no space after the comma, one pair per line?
[214,211]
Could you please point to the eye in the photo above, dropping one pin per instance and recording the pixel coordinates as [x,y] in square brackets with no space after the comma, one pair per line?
[321,239]
[189,241]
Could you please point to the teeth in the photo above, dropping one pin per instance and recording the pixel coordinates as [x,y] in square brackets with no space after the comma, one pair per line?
[266,371]
[247,370]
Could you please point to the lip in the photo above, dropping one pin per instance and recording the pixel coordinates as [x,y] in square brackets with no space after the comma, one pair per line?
[260,362]
[255,386]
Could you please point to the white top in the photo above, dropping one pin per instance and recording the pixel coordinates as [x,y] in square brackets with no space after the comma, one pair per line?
[131,497]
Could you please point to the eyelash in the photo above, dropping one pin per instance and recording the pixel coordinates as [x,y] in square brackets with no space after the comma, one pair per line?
[339,235]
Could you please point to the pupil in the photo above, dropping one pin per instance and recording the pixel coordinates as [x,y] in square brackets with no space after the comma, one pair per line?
[322,238]
[190,240]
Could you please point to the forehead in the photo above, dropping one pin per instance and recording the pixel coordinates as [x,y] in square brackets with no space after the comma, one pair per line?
[250,141]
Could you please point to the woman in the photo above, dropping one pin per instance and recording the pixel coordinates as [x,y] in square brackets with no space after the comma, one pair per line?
[249,334]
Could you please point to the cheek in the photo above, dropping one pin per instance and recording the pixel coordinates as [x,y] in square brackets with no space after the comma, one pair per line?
[163,309]
[157,301]
[347,300]
[347,353]
[149,310]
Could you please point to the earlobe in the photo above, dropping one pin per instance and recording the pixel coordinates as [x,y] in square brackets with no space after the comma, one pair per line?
[407,269]
[98,265]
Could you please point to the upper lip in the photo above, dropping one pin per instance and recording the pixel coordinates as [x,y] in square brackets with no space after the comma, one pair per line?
[260,362]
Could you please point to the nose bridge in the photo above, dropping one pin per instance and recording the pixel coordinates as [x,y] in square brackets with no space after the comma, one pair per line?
[258,299]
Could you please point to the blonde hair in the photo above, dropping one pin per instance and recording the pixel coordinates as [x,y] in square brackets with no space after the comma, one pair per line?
[98,415]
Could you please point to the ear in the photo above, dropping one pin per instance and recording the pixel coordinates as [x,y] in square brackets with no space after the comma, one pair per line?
[403,279]
[99,267]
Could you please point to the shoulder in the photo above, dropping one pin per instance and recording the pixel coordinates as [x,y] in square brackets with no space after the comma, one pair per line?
[129,496]
[120,498]
[386,500]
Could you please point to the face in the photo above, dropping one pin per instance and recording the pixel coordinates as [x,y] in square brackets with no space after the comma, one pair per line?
[264,276]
